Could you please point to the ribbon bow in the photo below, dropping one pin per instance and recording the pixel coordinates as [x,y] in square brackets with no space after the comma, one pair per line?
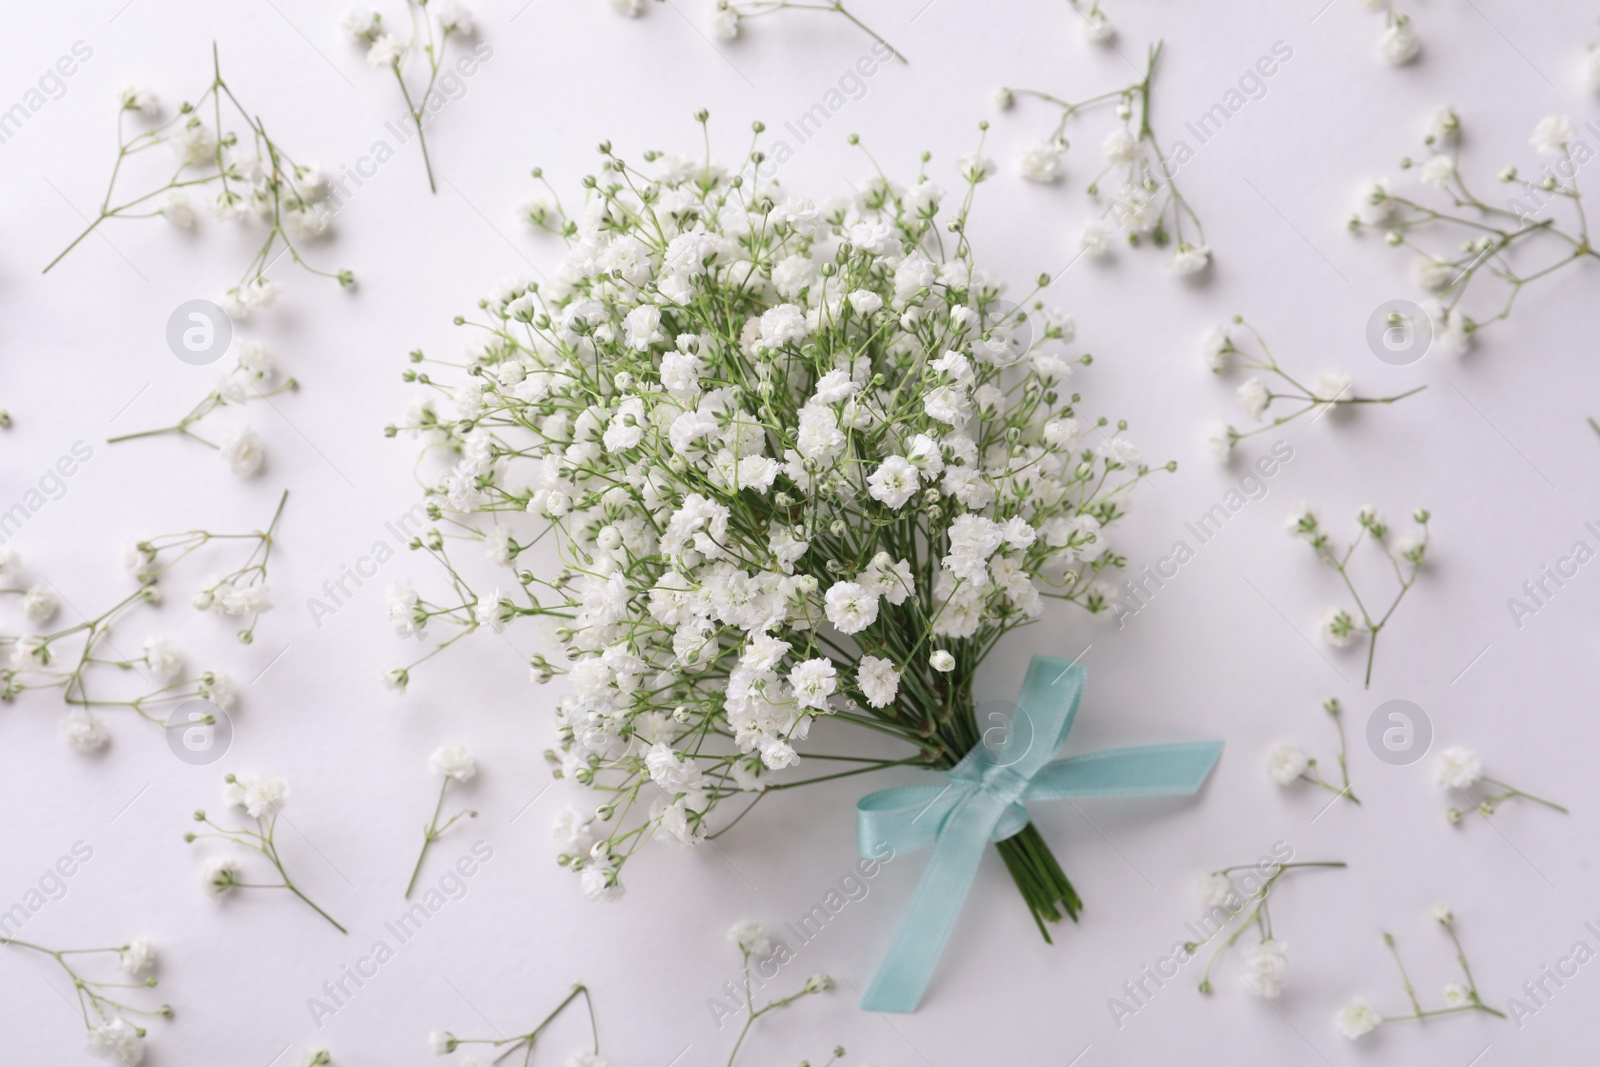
[982,801]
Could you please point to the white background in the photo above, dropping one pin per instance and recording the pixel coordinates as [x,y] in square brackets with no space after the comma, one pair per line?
[1497,446]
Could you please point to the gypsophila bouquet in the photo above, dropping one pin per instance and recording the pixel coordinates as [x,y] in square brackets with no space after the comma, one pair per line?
[111,1035]
[254,178]
[800,461]
[1489,239]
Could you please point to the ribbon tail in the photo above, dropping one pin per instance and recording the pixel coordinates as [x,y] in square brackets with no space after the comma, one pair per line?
[919,941]
[1176,769]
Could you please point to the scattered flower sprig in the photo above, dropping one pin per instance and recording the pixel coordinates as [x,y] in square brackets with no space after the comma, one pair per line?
[433,24]
[1287,762]
[1485,235]
[240,592]
[452,763]
[445,1043]
[259,796]
[797,460]
[755,943]
[1359,1018]
[1144,199]
[1461,768]
[1405,555]
[254,175]
[1399,44]
[111,1035]
[1268,958]
[1223,353]
[42,662]
[239,447]
[727,16]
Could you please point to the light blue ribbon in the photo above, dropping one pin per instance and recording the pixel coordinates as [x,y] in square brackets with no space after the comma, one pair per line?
[981,800]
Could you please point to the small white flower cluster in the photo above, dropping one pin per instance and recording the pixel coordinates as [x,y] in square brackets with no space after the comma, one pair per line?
[1359,1018]
[1481,238]
[433,24]
[1288,763]
[1405,554]
[240,447]
[796,457]
[725,18]
[104,1004]
[255,177]
[259,796]
[1145,203]
[1460,769]
[1266,962]
[1399,44]
[1221,349]
[37,661]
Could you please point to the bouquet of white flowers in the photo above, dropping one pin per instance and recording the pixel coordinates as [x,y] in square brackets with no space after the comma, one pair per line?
[799,461]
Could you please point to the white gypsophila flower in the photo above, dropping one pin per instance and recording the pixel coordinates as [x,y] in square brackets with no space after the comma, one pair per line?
[29,653]
[1552,135]
[878,681]
[1443,914]
[360,23]
[942,661]
[723,20]
[1338,627]
[1456,995]
[1095,239]
[1264,966]
[1443,125]
[220,875]
[39,603]
[84,732]
[1190,259]
[1221,437]
[1458,768]
[1120,145]
[117,1040]
[601,884]
[1003,98]
[1039,161]
[140,98]
[1357,1018]
[1216,891]
[751,937]
[1096,28]
[453,16]
[441,1042]
[453,761]
[1255,396]
[1286,761]
[242,450]
[851,608]
[1437,170]
[255,793]
[1399,43]
[573,830]
[385,51]
[218,688]
[138,956]
[176,209]
[1332,386]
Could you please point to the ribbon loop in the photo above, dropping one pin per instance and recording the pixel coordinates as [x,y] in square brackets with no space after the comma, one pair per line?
[980,800]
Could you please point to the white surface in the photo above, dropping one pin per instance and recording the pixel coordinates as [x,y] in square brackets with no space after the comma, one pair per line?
[1497,447]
